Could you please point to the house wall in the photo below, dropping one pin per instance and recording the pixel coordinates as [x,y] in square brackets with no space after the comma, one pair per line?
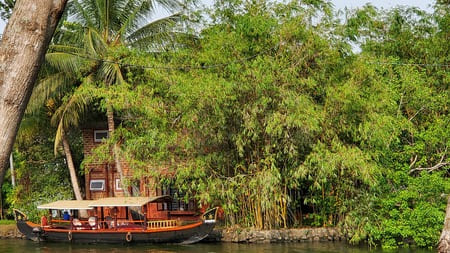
[102,171]
[108,172]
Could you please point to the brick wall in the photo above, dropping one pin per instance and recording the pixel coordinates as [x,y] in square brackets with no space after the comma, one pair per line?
[108,172]
[103,171]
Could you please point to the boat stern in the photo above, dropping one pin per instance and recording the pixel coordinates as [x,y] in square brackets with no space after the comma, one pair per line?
[209,221]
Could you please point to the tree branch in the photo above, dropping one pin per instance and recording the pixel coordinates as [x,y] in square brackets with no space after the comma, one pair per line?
[413,161]
[430,169]
[423,107]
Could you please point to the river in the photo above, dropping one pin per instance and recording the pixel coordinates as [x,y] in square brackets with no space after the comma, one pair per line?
[16,245]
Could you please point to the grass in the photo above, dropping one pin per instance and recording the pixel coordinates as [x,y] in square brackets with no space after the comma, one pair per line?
[7,222]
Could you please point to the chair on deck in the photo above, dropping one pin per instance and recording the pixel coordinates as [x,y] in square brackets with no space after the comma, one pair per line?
[109,222]
[92,222]
[76,223]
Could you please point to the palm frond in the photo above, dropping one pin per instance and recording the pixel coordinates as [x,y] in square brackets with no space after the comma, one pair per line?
[29,128]
[65,62]
[103,14]
[95,45]
[69,33]
[65,49]
[132,14]
[84,13]
[119,76]
[111,73]
[51,86]
[164,41]
[154,32]
[170,5]
[115,16]
[70,112]
[136,12]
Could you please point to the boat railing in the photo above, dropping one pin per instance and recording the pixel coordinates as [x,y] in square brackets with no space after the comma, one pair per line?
[98,224]
[161,224]
[60,221]
[111,224]
[126,224]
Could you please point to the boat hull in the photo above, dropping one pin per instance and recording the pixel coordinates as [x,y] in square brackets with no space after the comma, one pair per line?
[182,234]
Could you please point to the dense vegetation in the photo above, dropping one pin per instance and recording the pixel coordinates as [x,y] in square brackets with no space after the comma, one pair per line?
[283,114]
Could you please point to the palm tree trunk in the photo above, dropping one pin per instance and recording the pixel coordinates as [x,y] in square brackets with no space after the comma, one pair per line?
[444,241]
[22,50]
[73,174]
[116,148]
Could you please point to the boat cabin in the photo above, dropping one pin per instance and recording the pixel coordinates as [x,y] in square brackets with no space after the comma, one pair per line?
[102,181]
[104,213]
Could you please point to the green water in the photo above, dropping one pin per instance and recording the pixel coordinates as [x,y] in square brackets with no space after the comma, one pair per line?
[10,245]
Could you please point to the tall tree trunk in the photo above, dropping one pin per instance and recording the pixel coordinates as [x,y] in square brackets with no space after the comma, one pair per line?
[24,43]
[73,174]
[444,241]
[110,116]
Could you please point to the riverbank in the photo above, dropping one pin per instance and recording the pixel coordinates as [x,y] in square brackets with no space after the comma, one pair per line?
[250,235]
[10,231]
[238,235]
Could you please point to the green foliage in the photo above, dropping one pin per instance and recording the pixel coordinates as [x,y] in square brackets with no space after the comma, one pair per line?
[336,177]
[284,120]
[408,208]
[269,114]
[411,213]
[7,222]
[40,177]
[6,8]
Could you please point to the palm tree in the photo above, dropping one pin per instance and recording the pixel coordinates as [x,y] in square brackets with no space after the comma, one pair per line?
[97,30]
[57,88]
[67,115]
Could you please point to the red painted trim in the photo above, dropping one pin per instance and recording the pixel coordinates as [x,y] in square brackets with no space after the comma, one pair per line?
[31,224]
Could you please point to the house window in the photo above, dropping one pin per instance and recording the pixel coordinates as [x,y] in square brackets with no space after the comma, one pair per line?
[97,185]
[100,135]
[118,184]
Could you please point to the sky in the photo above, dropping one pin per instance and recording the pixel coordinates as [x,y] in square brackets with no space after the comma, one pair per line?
[341,4]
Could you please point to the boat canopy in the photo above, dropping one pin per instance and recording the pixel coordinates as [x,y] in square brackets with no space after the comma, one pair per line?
[128,201]
[68,204]
[104,202]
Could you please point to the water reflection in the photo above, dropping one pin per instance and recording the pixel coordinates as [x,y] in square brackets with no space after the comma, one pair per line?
[13,246]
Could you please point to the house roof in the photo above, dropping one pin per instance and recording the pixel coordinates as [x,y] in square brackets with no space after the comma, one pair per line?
[67,204]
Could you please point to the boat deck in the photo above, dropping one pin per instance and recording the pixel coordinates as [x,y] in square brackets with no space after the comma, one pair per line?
[121,225]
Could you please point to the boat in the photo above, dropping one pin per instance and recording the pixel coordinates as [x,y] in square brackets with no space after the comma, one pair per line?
[102,228]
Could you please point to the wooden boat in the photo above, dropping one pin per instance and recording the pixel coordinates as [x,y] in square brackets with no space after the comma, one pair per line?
[105,229]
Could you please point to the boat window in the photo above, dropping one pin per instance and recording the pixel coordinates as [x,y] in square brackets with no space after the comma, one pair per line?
[164,190]
[97,185]
[178,202]
[100,135]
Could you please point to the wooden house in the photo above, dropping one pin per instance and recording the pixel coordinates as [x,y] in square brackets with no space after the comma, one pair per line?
[102,180]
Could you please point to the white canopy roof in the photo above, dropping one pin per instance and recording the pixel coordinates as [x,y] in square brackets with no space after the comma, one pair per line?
[127,201]
[68,204]
[103,202]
